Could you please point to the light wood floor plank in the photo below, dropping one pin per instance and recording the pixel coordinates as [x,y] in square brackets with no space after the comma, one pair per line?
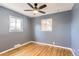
[33,49]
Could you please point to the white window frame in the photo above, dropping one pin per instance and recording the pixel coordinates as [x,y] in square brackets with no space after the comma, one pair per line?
[17,26]
[47,26]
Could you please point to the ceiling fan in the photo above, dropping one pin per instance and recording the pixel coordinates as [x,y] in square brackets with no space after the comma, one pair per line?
[36,9]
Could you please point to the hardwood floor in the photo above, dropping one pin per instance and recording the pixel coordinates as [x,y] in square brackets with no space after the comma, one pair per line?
[33,49]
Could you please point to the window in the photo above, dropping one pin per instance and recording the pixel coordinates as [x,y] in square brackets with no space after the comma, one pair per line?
[46,24]
[15,24]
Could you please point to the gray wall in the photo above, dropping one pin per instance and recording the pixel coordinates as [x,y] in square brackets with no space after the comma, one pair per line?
[65,29]
[61,29]
[9,39]
[75,29]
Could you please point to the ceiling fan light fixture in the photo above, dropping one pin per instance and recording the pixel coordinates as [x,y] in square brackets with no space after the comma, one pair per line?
[35,11]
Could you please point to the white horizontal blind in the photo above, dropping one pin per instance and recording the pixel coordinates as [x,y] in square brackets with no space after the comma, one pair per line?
[15,24]
[46,24]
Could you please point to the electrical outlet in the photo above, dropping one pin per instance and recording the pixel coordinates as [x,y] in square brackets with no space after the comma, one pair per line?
[53,42]
[17,45]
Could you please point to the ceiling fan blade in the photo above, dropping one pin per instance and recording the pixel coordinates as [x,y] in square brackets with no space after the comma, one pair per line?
[43,6]
[28,10]
[30,5]
[42,12]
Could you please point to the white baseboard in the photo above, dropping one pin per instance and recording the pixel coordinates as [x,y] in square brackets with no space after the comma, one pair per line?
[15,47]
[37,43]
[55,46]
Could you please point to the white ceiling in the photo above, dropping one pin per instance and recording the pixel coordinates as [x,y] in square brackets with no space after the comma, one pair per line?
[51,8]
